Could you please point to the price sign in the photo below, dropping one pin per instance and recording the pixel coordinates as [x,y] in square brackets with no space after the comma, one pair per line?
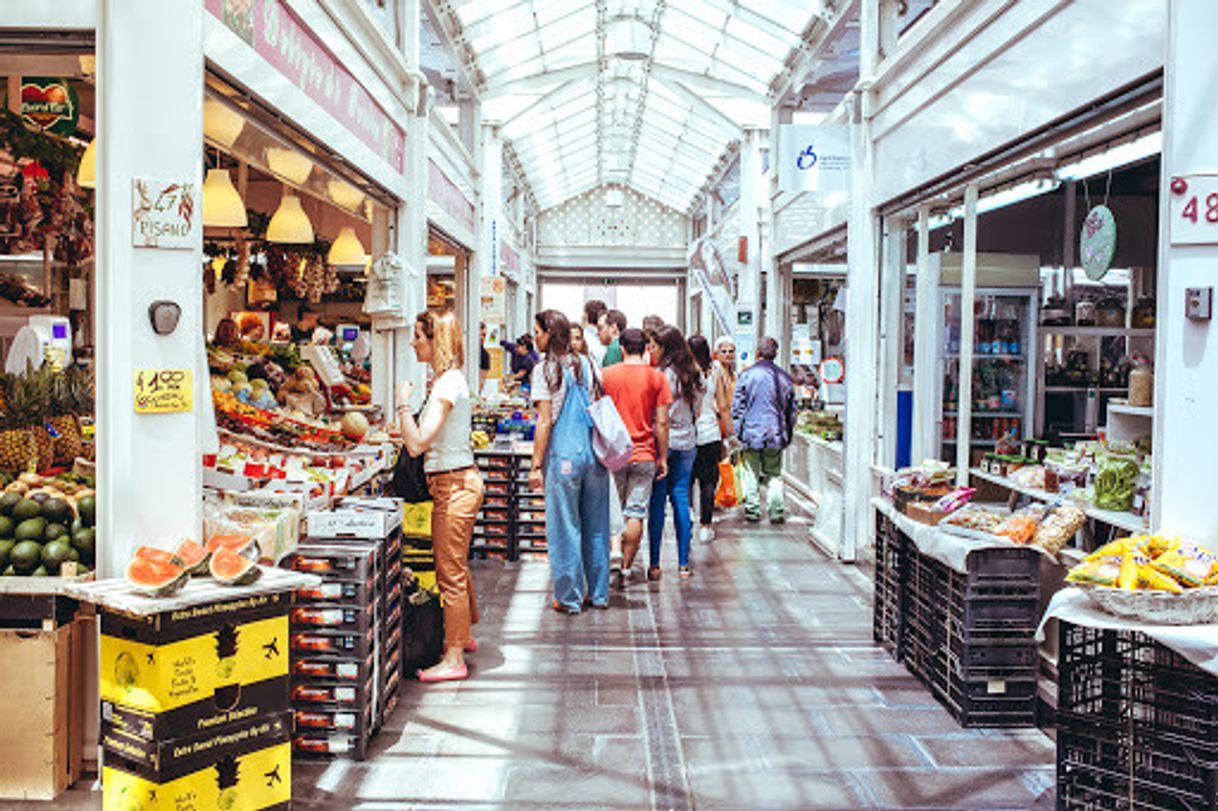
[1194,210]
[162,391]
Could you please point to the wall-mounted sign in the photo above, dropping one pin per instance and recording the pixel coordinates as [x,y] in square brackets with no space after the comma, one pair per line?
[744,317]
[49,104]
[814,158]
[1194,210]
[448,196]
[493,309]
[1097,242]
[163,391]
[833,369]
[165,214]
[281,37]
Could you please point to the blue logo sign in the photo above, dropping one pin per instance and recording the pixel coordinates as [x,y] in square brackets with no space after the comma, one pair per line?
[807,159]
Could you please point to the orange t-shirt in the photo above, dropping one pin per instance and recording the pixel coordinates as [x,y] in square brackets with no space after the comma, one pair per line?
[637,391]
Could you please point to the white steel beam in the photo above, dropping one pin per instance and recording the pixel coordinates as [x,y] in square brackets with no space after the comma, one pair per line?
[925,412]
[968,293]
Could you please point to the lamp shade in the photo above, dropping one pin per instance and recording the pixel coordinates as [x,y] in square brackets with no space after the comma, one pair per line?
[290,224]
[86,173]
[289,164]
[222,205]
[345,195]
[221,123]
[347,250]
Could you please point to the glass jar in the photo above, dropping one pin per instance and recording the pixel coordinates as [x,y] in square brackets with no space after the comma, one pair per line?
[1143,315]
[1141,385]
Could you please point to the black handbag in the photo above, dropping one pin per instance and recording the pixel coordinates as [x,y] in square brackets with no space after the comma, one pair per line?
[409,481]
[422,632]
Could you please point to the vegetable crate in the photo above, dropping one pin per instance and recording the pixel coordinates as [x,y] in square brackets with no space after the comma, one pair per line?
[971,637]
[891,563]
[1137,724]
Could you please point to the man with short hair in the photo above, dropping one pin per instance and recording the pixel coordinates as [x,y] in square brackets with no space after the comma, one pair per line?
[642,397]
[302,331]
[610,327]
[593,310]
[763,412]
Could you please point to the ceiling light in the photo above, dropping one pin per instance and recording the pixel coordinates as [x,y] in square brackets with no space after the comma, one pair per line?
[347,250]
[221,123]
[222,205]
[1016,194]
[1140,149]
[628,38]
[290,224]
[345,195]
[86,174]
[289,164]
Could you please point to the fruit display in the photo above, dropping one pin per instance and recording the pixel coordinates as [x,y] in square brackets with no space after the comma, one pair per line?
[355,426]
[153,576]
[1148,563]
[40,419]
[43,526]
[278,427]
[156,572]
[480,440]
[231,568]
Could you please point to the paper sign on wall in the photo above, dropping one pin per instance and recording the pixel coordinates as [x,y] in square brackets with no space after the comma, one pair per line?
[814,158]
[165,214]
[163,391]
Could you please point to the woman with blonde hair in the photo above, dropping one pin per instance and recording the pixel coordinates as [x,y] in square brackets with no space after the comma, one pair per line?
[454,482]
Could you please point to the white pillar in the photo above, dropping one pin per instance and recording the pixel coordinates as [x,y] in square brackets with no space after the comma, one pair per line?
[150,125]
[490,228]
[926,357]
[1186,368]
[968,328]
[410,223]
[892,345]
[749,290]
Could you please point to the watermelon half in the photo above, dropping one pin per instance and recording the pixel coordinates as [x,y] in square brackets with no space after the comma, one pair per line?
[155,555]
[241,544]
[155,578]
[232,569]
[193,557]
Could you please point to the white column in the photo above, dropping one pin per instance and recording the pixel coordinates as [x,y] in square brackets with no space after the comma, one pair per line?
[892,347]
[749,290]
[150,125]
[926,358]
[410,222]
[968,328]
[1186,368]
[490,229]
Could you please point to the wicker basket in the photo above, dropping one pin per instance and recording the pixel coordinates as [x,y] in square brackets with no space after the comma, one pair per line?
[1192,607]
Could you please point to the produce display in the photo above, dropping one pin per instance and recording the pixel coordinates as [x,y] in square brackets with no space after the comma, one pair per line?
[46,523]
[975,518]
[1048,526]
[1148,563]
[40,419]
[158,572]
[274,375]
[1115,482]
[824,424]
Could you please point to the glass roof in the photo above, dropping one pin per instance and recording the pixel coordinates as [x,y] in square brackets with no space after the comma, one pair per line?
[645,93]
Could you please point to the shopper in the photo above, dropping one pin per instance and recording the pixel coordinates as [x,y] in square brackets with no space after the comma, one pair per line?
[524,359]
[306,322]
[454,482]
[763,411]
[713,423]
[593,310]
[725,362]
[484,357]
[685,386]
[642,397]
[651,327]
[609,330]
[227,334]
[565,467]
[578,345]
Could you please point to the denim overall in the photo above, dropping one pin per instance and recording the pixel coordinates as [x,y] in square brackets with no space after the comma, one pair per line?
[577,504]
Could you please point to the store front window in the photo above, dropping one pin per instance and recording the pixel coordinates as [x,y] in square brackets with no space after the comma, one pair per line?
[635,299]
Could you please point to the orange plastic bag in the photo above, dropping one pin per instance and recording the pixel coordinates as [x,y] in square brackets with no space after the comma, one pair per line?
[725,493]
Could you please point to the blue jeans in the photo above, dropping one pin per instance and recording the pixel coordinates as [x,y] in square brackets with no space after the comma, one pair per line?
[673,488]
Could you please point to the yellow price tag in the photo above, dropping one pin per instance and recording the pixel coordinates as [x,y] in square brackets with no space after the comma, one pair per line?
[161,391]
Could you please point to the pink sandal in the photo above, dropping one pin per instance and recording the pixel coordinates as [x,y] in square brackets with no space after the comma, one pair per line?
[472,646]
[460,674]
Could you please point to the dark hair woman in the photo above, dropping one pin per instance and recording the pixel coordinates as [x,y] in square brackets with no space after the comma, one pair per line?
[576,485]
[685,383]
[712,423]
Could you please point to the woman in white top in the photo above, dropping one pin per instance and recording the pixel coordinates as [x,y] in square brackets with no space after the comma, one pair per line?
[455,483]
[714,422]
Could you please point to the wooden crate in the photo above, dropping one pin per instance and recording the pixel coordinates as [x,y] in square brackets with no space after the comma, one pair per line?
[42,679]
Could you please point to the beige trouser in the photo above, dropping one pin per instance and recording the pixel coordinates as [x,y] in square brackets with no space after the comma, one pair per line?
[457,497]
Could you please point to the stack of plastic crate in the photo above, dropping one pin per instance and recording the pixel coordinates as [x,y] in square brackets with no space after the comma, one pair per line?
[890,567]
[1137,724]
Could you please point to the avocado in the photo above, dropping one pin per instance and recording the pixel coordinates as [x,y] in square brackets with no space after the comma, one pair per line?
[83,541]
[5,548]
[54,531]
[26,556]
[41,571]
[33,529]
[26,509]
[57,511]
[55,553]
[6,527]
[87,507]
[8,501]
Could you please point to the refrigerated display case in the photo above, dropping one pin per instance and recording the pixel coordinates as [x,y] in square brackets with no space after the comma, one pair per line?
[1004,370]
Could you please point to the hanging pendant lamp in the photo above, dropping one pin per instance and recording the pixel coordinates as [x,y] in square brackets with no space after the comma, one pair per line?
[347,250]
[86,173]
[289,164]
[221,123]
[222,205]
[290,224]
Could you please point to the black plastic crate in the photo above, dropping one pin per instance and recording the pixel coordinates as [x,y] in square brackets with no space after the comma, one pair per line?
[311,643]
[333,668]
[358,563]
[1003,566]
[354,618]
[888,608]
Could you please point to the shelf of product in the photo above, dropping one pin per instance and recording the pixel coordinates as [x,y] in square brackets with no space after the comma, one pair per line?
[1121,519]
[46,528]
[244,463]
[824,424]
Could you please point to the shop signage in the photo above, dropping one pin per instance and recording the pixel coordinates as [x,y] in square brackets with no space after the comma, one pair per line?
[493,309]
[163,391]
[164,214]
[508,257]
[448,196]
[1194,210]
[814,158]
[1097,242]
[833,369]
[280,37]
[49,104]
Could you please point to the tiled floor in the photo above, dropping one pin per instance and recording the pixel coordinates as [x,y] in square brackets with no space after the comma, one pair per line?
[755,685]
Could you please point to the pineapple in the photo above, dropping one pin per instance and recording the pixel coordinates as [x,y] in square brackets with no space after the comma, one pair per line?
[18,448]
[80,385]
[38,393]
[68,444]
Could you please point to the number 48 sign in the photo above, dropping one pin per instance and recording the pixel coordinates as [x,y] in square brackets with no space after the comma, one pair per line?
[1194,210]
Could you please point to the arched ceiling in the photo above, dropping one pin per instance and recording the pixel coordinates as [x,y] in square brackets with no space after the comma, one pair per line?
[643,93]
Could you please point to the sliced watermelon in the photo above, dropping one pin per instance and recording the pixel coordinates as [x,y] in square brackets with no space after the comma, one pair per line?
[155,578]
[193,557]
[241,544]
[232,569]
[156,555]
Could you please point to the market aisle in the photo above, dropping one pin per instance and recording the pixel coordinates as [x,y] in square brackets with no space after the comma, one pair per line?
[753,685]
